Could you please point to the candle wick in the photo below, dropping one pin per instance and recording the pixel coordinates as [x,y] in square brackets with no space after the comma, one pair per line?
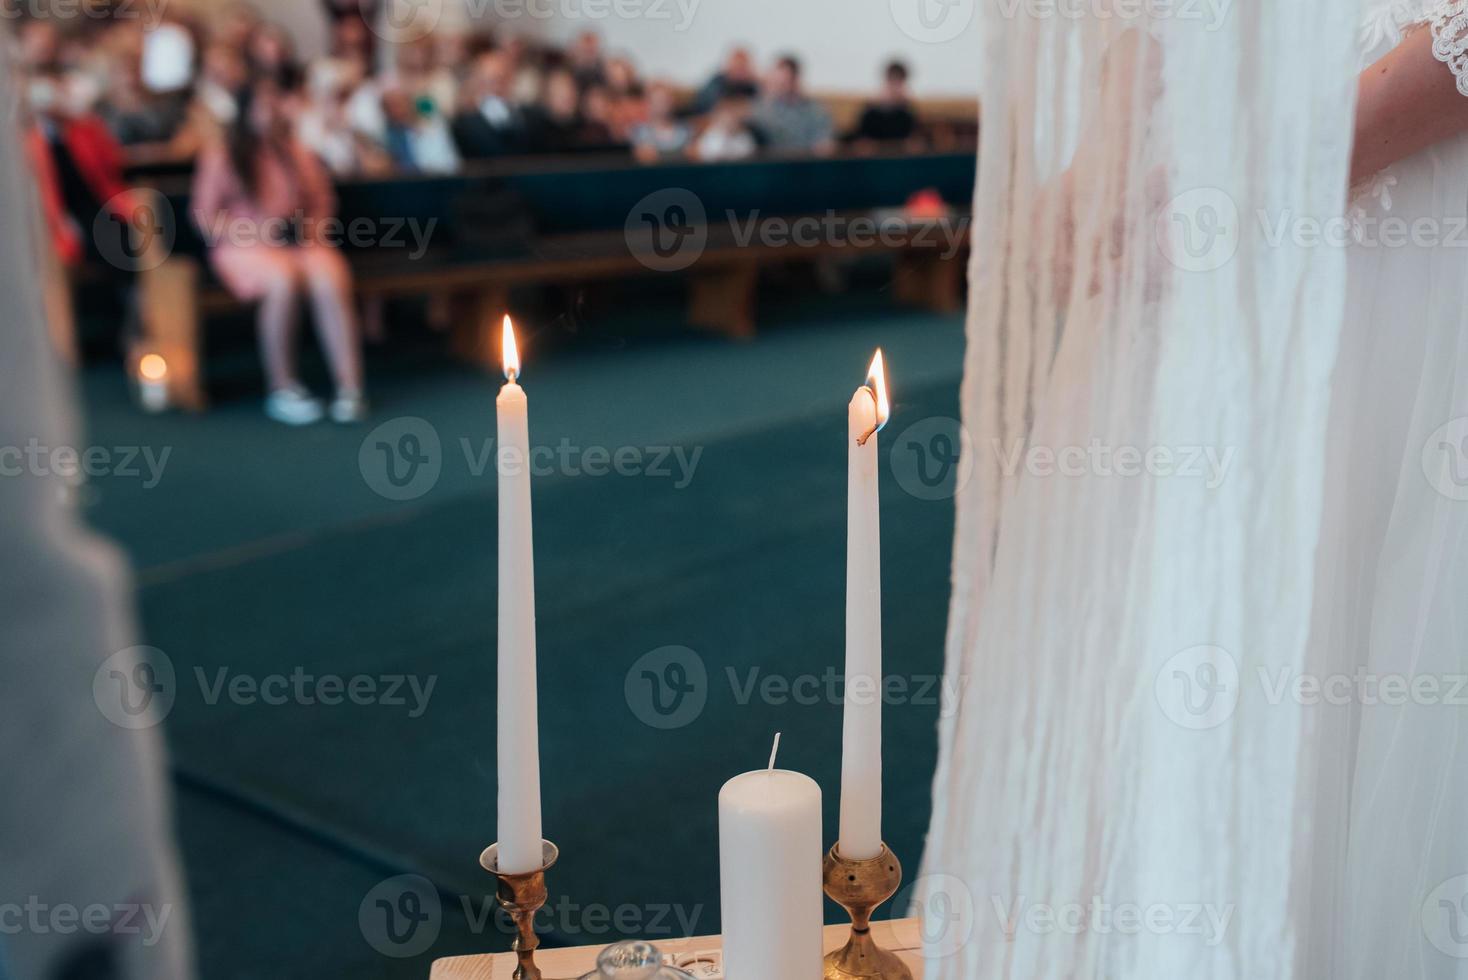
[775,751]
[876,428]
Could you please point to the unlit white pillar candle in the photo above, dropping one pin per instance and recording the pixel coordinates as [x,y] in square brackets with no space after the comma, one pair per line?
[861,744]
[518,714]
[770,851]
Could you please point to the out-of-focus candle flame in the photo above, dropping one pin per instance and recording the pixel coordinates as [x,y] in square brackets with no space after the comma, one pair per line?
[512,352]
[152,367]
[877,375]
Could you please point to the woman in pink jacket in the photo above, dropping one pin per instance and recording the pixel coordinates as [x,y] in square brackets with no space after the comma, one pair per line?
[263,203]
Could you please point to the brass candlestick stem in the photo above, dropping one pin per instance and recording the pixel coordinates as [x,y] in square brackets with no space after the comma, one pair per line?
[522,895]
[859,887]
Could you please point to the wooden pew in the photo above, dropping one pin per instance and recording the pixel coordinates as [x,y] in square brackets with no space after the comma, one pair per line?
[580,211]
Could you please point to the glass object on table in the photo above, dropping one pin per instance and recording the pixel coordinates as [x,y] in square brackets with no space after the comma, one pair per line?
[634,961]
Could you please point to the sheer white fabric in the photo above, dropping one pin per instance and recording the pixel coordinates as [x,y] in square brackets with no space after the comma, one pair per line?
[1147,395]
[1391,886]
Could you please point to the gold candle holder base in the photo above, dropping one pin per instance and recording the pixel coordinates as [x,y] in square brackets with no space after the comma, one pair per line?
[522,895]
[859,887]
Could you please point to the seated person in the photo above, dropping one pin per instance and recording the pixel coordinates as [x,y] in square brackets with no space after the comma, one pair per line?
[585,60]
[726,134]
[325,125]
[627,97]
[889,119]
[556,123]
[559,125]
[416,139]
[663,134]
[789,120]
[223,76]
[259,199]
[599,126]
[737,79]
[272,55]
[91,215]
[489,123]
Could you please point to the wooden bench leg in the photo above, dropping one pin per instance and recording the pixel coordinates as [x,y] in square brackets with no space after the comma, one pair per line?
[477,330]
[169,297]
[929,281]
[723,300]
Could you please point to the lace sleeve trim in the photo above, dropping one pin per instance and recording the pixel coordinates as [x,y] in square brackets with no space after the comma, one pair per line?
[1449,24]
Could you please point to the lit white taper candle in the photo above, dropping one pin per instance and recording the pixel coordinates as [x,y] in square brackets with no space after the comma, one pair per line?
[518,714]
[861,745]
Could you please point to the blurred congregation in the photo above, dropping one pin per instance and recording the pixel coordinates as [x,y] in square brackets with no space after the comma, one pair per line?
[166,92]
[208,118]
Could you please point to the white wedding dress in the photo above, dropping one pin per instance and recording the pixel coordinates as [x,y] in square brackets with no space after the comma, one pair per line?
[1181,752]
[1392,571]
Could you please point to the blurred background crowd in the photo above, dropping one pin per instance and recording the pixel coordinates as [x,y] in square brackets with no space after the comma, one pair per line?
[221,97]
[363,107]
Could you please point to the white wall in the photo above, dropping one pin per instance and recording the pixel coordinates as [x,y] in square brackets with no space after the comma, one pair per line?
[844,43]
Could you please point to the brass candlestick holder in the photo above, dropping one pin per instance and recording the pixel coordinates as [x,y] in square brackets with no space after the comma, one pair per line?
[522,895]
[859,887]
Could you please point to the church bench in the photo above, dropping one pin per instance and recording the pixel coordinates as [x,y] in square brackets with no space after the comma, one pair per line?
[575,218]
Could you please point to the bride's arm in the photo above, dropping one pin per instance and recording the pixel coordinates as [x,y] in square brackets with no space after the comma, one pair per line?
[1406,102]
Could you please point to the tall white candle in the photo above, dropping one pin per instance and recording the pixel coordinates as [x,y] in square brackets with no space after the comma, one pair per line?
[518,715]
[861,745]
[770,848]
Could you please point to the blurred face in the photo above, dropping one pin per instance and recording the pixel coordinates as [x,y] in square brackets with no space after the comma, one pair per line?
[587,51]
[270,113]
[561,95]
[596,105]
[224,66]
[39,43]
[730,114]
[398,107]
[740,66]
[895,88]
[783,82]
[451,51]
[269,48]
[349,36]
[493,75]
[620,74]
[660,103]
[414,59]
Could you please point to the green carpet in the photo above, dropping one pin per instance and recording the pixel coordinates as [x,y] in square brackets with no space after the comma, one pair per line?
[263,551]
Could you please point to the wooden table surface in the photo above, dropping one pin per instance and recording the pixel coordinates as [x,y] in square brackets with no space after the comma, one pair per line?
[901,936]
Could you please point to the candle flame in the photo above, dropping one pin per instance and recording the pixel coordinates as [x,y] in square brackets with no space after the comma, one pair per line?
[512,351]
[152,367]
[877,387]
